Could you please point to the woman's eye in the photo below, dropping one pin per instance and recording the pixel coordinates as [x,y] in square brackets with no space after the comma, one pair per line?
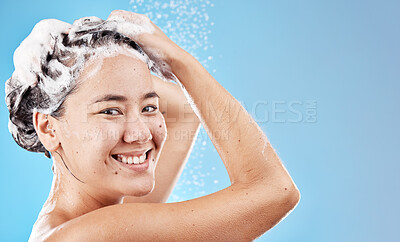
[110,112]
[149,109]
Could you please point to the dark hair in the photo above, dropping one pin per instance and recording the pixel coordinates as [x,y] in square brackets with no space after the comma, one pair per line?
[22,100]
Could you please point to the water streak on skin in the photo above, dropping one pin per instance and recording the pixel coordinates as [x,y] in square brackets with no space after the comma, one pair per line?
[264,148]
[68,168]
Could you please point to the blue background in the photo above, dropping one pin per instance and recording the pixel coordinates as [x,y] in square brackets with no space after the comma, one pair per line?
[342,55]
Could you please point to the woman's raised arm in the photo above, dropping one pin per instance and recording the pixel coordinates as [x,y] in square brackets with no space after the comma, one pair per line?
[262,192]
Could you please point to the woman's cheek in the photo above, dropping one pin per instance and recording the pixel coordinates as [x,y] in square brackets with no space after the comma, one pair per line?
[98,134]
[159,131]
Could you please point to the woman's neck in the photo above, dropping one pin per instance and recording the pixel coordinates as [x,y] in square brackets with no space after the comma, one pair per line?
[71,198]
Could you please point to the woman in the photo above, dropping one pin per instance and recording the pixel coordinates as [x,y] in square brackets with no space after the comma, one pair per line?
[91,102]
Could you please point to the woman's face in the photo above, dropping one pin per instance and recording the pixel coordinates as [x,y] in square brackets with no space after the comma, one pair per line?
[113,119]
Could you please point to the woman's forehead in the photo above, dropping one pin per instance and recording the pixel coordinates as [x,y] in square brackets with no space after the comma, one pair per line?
[121,74]
[116,65]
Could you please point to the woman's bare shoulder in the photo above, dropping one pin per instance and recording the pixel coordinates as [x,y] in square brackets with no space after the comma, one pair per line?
[46,224]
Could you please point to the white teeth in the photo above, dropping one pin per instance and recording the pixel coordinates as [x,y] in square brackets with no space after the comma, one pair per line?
[132,159]
[142,158]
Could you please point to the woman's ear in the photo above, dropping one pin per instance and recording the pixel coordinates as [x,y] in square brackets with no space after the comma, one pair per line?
[44,129]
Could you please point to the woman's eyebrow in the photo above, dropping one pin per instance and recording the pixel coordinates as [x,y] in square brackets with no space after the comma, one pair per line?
[109,97]
[119,98]
[150,95]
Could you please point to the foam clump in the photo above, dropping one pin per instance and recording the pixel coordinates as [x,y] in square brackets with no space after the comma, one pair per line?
[28,56]
[122,25]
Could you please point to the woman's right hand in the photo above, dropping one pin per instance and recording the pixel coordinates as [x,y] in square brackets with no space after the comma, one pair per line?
[149,36]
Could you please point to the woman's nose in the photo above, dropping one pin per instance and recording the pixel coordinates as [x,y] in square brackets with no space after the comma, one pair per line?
[137,131]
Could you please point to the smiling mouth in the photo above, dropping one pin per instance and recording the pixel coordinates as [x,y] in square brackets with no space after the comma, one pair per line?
[131,159]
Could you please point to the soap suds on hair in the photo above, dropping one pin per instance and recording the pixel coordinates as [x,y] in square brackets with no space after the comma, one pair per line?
[122,25]
[27,57]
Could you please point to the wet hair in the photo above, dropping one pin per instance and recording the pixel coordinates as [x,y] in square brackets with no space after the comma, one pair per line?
[56,78]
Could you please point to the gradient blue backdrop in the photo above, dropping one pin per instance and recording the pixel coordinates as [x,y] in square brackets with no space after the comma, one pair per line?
[342,54]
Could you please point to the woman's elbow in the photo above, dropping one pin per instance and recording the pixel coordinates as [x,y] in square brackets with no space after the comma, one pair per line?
[294,197]
[284,195]
[286,202]
[290,199]
[287,191]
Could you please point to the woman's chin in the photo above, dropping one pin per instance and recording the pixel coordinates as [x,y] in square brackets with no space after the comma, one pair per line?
[140,190]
